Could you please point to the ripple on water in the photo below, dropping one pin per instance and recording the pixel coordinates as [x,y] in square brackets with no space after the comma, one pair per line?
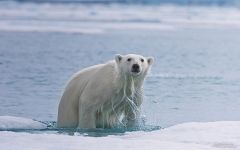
[99,132]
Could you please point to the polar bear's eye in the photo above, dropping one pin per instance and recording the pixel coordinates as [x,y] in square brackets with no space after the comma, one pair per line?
[142,60]
[129,59]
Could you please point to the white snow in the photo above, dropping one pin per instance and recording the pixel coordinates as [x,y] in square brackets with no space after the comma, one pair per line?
[10,122]
[187,136]
[95,18]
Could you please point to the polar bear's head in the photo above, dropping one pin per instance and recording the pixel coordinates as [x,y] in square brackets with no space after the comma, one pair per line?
[134,65]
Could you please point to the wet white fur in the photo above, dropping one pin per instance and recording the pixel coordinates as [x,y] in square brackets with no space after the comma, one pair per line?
[104,95]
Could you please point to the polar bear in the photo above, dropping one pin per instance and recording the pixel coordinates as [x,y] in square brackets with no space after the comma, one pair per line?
[105,95]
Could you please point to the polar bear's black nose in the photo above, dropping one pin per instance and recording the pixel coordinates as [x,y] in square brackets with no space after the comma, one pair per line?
[135,68]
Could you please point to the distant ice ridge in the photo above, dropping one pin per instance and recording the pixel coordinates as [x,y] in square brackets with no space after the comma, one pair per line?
[187,136]
[178,2]
[97,18]
[10,122]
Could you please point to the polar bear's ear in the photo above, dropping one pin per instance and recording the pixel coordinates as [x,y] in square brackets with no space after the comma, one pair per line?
[118,58]
[150,60]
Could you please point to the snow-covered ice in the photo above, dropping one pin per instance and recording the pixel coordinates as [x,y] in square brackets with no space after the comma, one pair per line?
[194,136]
[10,122]
[97,18]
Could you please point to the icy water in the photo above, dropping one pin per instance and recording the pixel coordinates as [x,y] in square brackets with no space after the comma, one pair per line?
[195,77]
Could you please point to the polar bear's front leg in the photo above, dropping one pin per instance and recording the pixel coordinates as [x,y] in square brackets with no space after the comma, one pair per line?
[87,118]
[133,118]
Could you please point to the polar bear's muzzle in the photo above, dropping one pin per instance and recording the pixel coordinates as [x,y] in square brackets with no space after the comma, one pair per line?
[135,68]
